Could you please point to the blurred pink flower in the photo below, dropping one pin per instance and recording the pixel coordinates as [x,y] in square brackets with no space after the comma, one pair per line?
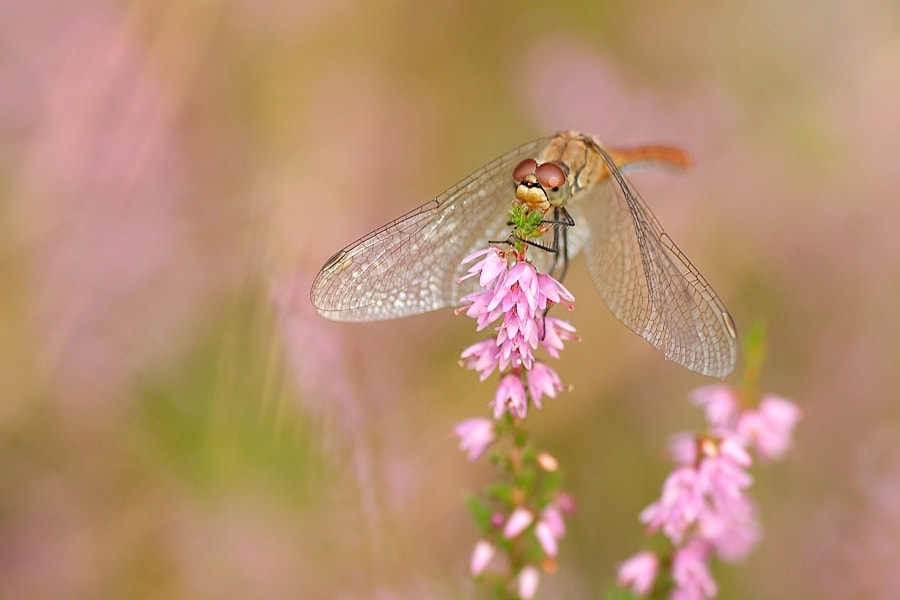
[481,557]
[733,534]
[638,572]
[318,368]
[565,503]
[547,461]
[720,401]
[517,522]
[592,92]
[546,538]
[730,447]
[691,575]
[475,435]
[99,198]
[709,490]
[679,507]
[683,449]
[528,582]
[552,515]
[704,508]
[770,426]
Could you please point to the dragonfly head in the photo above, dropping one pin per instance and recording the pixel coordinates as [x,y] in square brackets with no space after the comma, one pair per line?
[541,185]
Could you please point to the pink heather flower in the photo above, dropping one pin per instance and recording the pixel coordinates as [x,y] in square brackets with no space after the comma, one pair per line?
[475,435]
[478,308]
[518,295]
[691,575]
[516,339]
[552,516]
[518,522]
[555,332]
[721,481]
[489,269]
[553,291]
[639,572]
[547,461]
[704,507]
[497,519]
[679,507]
[481,557]
[721,404]
[683,449]
[731,448]
[770,426]
[546,538]
[706,502]
[565,503]
[692,493]
[510,396]
[733,534]
[528,582]
[550,528]
[483,356]
[523,277]
[542,381]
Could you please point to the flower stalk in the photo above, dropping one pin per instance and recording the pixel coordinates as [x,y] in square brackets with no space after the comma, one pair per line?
[520,517]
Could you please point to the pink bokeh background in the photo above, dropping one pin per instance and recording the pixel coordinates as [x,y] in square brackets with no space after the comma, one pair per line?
[177,421]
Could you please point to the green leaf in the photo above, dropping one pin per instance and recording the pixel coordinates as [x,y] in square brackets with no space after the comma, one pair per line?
[480,511]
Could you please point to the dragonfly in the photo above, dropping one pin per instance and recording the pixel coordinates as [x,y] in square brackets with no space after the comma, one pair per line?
[413,264]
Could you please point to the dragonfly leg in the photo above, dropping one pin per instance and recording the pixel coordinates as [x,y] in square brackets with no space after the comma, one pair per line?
[561,222]
[560,217]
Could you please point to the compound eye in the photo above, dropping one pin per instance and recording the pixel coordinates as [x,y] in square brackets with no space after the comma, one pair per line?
[524,169]
[550,175]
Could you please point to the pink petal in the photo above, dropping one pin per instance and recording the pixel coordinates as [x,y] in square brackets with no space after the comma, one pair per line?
[720,402]
[639,572]
[770,427]
[546,538]
[552,516]
[475,435]
[528,582]
[510,396]
[518,521]
[691,573]
[481,557]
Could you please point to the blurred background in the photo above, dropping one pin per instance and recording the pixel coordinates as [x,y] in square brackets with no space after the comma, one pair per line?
[177,422]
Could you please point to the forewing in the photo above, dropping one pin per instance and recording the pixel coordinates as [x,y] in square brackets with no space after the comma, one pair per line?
[649,284]
[411,265]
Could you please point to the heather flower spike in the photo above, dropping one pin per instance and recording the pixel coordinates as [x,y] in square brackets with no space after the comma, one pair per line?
[705,510]
[523,522]
[518,297]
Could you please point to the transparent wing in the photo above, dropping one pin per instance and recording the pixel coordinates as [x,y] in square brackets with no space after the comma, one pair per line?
[410,266]
[648,283]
